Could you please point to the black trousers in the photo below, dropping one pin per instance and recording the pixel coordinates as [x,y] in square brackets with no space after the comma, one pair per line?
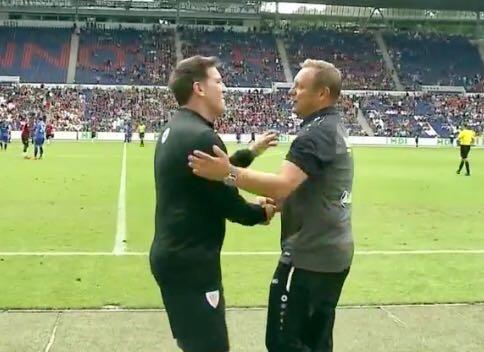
[302,307]
[464,151]
[197,318]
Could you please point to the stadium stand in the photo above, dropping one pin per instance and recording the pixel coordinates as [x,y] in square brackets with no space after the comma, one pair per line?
[62,106]
[429,115]
[72,109]
[109,110]
[435,59]
[76,109]
[38,55]
[248,59]
[356,54]
[126,56]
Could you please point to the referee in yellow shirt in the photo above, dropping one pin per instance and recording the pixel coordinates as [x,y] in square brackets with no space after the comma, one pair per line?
[141,131]
[465,139]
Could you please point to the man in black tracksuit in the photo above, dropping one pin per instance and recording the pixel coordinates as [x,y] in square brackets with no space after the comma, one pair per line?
[191,211]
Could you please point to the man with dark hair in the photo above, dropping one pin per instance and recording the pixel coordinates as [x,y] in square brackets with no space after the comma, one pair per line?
[313,189]
[466,138]
[191,211]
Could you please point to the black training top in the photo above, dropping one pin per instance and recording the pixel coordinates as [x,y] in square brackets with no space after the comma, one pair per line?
[316,217]
[191,211]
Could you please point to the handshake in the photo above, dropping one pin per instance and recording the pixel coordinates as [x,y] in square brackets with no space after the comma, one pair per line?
[270,206]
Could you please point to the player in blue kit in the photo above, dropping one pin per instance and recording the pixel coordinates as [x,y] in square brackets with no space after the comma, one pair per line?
[128,132]
[4,135]
[39,138]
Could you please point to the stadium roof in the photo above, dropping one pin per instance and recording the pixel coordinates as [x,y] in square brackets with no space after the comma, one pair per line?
[460,5]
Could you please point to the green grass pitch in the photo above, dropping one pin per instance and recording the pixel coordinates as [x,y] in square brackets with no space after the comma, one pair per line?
[404,200]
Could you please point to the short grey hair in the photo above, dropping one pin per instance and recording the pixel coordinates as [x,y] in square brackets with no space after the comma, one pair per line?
[327,76]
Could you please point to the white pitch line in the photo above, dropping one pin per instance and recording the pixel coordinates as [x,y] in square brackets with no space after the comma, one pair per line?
[120,241]
[52,336]
[139,254]
[380,252]
[85,156]
[62,254]
[237,309]
[394,317]
[422,251]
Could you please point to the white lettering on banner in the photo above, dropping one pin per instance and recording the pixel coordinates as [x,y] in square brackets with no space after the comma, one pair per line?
[443,141]
[444,89]
[396,140]
[84,135]
[284,138]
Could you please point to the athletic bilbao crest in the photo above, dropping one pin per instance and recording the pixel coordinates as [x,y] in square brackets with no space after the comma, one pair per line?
[213,297]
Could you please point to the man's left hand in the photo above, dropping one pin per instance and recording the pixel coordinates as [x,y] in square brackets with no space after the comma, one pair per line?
[269,201]
[214,168]
[268,139]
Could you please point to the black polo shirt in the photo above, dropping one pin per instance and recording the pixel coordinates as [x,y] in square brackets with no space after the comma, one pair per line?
[191,211]
[316,217]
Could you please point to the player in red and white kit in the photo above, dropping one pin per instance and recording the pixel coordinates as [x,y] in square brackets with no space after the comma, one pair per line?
[49,132]
[25,135]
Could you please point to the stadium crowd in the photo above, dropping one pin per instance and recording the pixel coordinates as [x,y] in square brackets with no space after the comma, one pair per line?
[76,109]
[429,59]
[126,56]
[110,110]
[64,107]
[249,59]
[355,54]
[427,115]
